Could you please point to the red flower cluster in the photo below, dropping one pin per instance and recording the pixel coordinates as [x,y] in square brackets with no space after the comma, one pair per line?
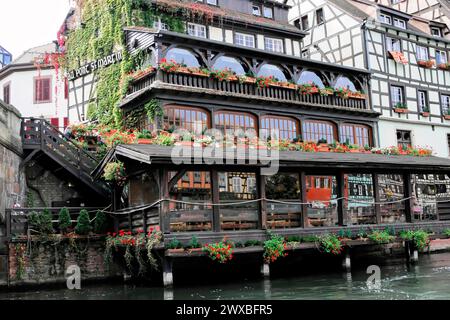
[220,252]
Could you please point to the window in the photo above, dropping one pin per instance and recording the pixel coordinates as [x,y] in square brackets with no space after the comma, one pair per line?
[256,10]
[396,1]
[445,104]
[305,22]
[435,31]
[273,45]
[310,77]
[287,127]
[183,56]
[42,90]
[400,23]
[268,12]
[270,70]
[422,100]
[393,44]
[196,30]
[441,57]
[355,134]
[385,18]
[237,184]
[404,139]
[396,95]
[245,40]
[230,122]
[422,53]
[159,25]
[315,130]
[213,2]
[230,63]
[7,93]
[192,119]
[319,16]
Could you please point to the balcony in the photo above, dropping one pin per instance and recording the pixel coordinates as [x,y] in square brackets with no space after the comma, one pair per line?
[203,84]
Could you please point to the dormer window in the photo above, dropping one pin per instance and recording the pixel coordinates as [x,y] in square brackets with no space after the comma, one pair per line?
[259,10]
[436,31]
[256,10]
[392,20]
[384,18]
[399,23]
[268,12]
[319,17]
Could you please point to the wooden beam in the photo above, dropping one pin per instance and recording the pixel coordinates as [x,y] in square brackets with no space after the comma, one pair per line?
[177,177]
[216,199]
[28,158]
[409,204]
[376,194]
[304,199]
[164,193]
[340,179]
[262,221]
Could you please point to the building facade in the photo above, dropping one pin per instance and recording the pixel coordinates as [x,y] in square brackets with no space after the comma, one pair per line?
[407,87]
[37,90]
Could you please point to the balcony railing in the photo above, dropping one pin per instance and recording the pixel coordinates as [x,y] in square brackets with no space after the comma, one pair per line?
[248,90]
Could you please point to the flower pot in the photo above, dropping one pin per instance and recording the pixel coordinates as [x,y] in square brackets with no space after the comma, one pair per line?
[443,66]
[145,141]
[323,148]
[250,80]
[447,117]
[425,114]
[232,78]
[401,110]
[192,250]
[426,64]
[175,250]
[183,70]
[185,143]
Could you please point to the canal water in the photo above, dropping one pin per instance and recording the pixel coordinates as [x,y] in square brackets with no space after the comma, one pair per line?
[429,279]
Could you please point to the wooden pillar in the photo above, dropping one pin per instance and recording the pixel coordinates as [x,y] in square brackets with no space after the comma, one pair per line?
[409,204]
[376,194]
[304,200]
[164,217]
[216,199]
[262,221]
[265,270]
[340,193]
[167,265]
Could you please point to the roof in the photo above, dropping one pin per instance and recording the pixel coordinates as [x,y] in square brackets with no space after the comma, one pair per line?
[29,55]
[227,14]
[156,154]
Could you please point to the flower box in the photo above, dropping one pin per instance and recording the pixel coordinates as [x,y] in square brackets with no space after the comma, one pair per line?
[184,143]
[357,95]
[183,70]
[142,74]
[444,66]
[425,114]
[447,117]
[145,141]
[249,80]
[232,78]
[426,63]
[175,250]
[326,92]
[354,151]
[194,250]
[401,110]
[287,85]
[200,74]
[323,148]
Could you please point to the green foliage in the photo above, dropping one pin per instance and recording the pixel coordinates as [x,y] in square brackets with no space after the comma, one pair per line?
[420,238]
[100,222]
[252,243]
[30,200]
[194,243]
[293,239]
[41,222]
[447,232]
[174,244]
[64,220]
[83,226]
[381,237]
[345,233]
[274,248]
[153,109]
[330,243]
[309,239]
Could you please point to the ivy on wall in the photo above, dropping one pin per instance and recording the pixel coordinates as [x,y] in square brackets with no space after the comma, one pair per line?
[101,33]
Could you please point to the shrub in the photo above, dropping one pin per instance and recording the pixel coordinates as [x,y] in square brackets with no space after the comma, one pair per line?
[41,222]
[420,238]
[221,251]
[174,244]
[100,222]
[293,239]
[309,239]
[330,243]
[194,243]
[274,248]
[447,232]
[64,220]
[83,226]
[252,243]
[381,237]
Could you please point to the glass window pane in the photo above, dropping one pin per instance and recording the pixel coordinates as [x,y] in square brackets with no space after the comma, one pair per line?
[229,63]
[321,195]
[182,56]
[359,208]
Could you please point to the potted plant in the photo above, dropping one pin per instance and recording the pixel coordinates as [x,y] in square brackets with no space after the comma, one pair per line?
[327,91]
[186,139]
[354,148]
[175,246]
[322,145]
[342,93]
[199,72]
[308,89]
[426,63]
[401,107]
[144,137]
[425,111]
[367,149]
[444,66]
[264,82]
[356,95]
[194,245]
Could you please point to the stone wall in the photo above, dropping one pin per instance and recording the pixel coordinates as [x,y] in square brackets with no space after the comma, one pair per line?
[12,179]
[41,263]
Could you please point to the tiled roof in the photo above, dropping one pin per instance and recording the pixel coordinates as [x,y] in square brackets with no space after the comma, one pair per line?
[29,55]
[214,11]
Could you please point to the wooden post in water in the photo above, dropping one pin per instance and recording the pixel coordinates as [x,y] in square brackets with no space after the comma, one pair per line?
[167,265]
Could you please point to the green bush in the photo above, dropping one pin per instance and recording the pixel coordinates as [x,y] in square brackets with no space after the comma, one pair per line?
[194,243]
[330,243]
[83,226]
[100,222]
[381,237]
[64,220]
[41,222]
[253,243]
[174,244]
[420,238]
[447,232]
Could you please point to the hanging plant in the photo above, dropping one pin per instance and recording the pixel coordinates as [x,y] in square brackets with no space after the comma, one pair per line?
[274,248]
[115,172]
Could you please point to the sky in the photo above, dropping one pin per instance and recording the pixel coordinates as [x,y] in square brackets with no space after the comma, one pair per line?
[29,23]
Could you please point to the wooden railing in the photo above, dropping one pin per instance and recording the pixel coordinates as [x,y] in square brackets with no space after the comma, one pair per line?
[17,219]
[248,89]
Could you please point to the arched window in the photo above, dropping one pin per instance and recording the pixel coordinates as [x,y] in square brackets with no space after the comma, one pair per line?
[231,63]
[270,70]
[314,130]
[230,122]
[344,83]
[287,127]
[183,56]
[192,119]
[355,134]
[310,77]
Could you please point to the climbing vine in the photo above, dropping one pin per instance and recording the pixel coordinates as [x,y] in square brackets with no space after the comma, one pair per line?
[101,33]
